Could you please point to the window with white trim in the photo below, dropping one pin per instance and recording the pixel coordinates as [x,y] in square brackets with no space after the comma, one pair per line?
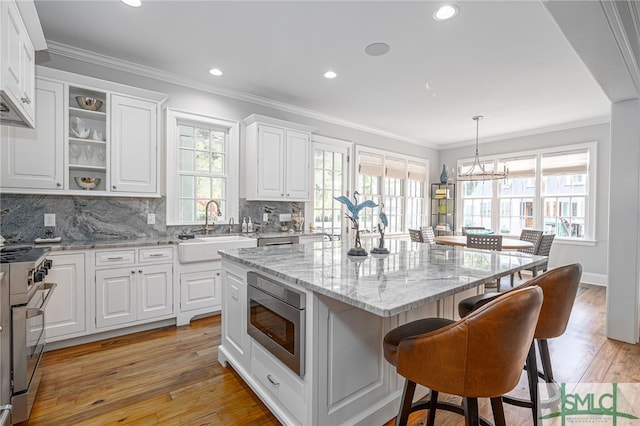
[547,189]
[395,180]
[330,181]
[202,165]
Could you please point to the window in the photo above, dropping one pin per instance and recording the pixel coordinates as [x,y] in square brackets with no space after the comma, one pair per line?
[564,192]
[516,195]
[202,164]
[395,181]
[330,180]
[546,189]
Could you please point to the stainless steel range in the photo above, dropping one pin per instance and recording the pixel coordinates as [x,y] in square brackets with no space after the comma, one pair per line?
[25,269]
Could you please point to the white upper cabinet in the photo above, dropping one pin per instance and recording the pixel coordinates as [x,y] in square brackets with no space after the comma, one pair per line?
[134,141]
[277,157]
[33,158]
[93,137]
[18,69]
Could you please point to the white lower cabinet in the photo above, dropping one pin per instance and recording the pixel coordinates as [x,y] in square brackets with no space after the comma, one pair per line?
[287,388]
[126,295]
[66,314]
[200,290]
[133,285]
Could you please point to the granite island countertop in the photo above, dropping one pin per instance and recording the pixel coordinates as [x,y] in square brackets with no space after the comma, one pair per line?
[411,275]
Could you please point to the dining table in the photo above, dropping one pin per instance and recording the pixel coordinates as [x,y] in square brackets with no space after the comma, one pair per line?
[461,240]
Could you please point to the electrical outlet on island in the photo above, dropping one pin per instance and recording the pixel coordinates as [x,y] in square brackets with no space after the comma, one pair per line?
[151,219]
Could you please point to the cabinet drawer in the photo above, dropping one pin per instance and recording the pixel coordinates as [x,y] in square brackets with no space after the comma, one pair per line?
[119,257]
[155,254]
[281,382]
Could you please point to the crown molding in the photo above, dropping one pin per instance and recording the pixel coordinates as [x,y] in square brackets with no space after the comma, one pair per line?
[538,131]
[627,36]
[82,55]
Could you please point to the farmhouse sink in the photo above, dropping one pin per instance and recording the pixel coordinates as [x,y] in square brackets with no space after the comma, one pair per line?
[202,249]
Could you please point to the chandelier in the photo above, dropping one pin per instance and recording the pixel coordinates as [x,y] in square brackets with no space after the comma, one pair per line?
[477,171]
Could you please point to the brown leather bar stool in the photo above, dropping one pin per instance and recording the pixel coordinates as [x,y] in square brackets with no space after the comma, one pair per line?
[560,287]
[479,356]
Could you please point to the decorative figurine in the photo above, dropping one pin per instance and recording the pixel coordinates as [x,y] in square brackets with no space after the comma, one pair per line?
[384,222]
[355,220]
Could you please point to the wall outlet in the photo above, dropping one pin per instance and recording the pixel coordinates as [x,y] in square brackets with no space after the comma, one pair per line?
[151,219]
[285,217]
[265,217]
[49,219]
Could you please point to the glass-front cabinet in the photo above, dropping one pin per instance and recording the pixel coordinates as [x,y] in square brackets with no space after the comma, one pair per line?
[88,151]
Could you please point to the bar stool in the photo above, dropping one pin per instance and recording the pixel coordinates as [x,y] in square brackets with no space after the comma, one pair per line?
[479,356]
[559,287]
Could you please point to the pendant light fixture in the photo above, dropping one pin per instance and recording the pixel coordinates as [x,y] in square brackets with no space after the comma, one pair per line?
[477,171]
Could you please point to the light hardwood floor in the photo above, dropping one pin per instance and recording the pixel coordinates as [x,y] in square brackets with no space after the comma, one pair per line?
[171,376]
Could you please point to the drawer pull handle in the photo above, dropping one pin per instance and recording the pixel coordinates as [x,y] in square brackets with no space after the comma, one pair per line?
[271,379]
[115,258]
[26,99]
[156,255]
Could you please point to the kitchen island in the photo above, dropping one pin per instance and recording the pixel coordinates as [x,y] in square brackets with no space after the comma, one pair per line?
[351,303]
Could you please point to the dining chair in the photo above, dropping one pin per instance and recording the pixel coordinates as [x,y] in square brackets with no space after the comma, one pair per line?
[532,236]
[544,249]
[428,235]
[465,228]
[479,356]
[486,242]
[559,287]
[416,235]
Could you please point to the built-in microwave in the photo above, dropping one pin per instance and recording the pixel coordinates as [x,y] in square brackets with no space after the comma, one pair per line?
[276,319]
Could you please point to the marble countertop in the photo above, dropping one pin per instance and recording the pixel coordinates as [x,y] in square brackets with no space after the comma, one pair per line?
[411,275]
[133,242]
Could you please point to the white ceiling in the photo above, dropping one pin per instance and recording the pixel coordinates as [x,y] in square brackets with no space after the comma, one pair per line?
[505,60]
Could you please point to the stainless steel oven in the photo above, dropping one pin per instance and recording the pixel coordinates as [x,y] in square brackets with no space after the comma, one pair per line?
[26,268]
[276,319]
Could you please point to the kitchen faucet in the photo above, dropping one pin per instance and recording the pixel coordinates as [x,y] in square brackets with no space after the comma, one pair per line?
[206,215]
[231,223]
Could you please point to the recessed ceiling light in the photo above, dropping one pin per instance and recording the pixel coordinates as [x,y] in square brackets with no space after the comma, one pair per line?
[215,71]
[132,3]
[330,74]
[377,49]
[445,12]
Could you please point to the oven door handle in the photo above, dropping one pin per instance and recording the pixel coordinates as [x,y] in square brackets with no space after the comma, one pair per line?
[34,312]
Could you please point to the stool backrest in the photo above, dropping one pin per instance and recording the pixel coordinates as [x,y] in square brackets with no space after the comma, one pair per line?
[480,355]
[559,286]
[486,242]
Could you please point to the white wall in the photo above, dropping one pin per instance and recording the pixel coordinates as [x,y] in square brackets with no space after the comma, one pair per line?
[207,103]
[592,256]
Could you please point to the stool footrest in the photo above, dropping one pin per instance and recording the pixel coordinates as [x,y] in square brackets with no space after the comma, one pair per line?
[447,406]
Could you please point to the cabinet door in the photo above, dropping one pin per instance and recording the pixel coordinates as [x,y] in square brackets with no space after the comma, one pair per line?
[234,313]
[115,296]
[66,311]
[200,290]
[134,145]
[33,158]
[155,291]
[271,146]
[297,165]
[17,61]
